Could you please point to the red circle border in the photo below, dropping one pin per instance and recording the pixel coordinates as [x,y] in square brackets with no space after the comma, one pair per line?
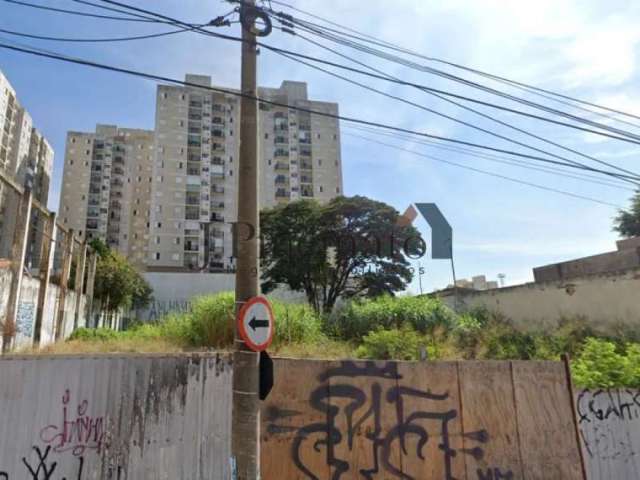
[243,332]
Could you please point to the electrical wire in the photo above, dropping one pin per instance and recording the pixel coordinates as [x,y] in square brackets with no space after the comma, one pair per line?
[495,158]
[485,172]
[303,109]
[349,80]
[94,40]
[531,88]
[74,12]
[448,76]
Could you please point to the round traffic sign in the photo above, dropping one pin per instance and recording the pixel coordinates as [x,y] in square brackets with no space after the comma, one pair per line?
[256,324]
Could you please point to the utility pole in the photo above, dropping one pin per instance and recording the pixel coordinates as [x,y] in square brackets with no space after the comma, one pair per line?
[18,253]
[246,403]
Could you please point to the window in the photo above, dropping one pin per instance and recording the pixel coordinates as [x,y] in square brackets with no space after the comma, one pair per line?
[336,163]
[319,163]
[231,173]
[135,213]
[73,140]
[158,253]
[87,152]
[335,137]
[70,162]
[337,189]
[159,224]
[266,136]
[177,240]
[318,136]
[164,95]
[320,189]
[157,240]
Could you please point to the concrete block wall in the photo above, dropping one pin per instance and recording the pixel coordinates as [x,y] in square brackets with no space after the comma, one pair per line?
[26,315]
[606,300]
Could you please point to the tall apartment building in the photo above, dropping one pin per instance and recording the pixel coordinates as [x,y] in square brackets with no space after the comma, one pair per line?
[106,190]
[195,171]
[26,157]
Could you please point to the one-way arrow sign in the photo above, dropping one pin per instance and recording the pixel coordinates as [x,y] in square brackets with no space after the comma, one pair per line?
[256,324]
[253,323]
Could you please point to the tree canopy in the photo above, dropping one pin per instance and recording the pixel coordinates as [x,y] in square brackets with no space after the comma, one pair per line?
[349,247]
[627,223]
[118,284]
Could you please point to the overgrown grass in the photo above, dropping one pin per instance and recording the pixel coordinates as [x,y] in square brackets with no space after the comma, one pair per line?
[385,328]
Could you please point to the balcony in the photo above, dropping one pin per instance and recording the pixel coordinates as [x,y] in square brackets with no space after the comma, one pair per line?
[281,152]
[306,166]
[217,189]
[193,171]
[217,205]
[281,180]
[280,166]
[280,140]
[217,218]
[306,179]
[306,192]
[282,193]
[193,104]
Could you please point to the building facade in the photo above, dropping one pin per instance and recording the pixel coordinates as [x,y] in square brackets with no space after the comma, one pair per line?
[27,158]
[106,190]
[195,176]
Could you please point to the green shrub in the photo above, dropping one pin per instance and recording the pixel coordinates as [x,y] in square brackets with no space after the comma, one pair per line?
[603,364]
[423,314]
[599,365]
[93,334]
[391,344]
[210,323]
[296,323]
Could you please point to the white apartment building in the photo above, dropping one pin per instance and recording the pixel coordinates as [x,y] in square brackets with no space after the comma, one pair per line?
[106,190]
[195,180]
[26,157]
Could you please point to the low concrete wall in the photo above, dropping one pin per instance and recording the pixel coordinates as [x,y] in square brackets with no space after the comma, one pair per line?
[26,315]
[605,300]
[174,292]
[609,423]
[115,417]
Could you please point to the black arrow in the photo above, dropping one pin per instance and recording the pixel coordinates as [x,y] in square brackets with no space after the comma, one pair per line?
[253,323]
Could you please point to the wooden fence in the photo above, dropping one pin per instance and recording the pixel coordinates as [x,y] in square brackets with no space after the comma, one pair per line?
[423,421]
[169,417]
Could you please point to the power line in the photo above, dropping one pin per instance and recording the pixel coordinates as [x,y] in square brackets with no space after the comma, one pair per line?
[94,40]
[74,12]
[416,54]
[485,172]
[458,79]
[206,32]
[495,158]
[457,104]
[302,109]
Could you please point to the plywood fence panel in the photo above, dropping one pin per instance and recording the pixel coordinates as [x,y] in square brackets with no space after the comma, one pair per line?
[428,399]
[295,438]
[546,424]
[490,421]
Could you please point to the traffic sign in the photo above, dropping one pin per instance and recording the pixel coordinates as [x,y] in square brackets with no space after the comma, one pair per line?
[256,324]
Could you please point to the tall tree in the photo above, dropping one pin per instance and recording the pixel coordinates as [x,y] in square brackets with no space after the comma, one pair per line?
[627,223]
[350,247]
[118,284]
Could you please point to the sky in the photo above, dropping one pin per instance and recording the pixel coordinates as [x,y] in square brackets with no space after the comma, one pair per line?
[587,49]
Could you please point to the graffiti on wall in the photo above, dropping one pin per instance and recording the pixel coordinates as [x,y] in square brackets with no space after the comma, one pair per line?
[359,405]
[607,420]
[75,431]
[25,318]
[160,308]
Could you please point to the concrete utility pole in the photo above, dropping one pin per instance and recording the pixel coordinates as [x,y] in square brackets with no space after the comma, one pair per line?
[18,253]
[79,281]
[246,402]
[67,257]
[46,264]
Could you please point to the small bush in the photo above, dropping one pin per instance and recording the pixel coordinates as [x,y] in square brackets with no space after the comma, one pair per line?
[423,314]
[603,364]
[94,334]
[391,344]
[296,323]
